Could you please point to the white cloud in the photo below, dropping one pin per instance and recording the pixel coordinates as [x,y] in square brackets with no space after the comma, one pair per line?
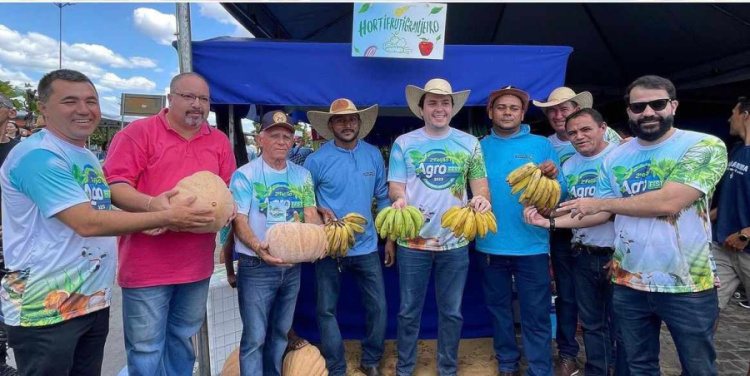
[139,83]
[14,76]
[159,26]
[217,12]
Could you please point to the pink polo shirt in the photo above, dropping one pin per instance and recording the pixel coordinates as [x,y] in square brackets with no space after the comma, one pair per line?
[150,156]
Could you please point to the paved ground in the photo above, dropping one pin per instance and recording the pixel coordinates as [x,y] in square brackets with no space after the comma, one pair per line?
[732,345]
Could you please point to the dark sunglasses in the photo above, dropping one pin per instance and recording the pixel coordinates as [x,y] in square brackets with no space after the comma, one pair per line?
[656,105]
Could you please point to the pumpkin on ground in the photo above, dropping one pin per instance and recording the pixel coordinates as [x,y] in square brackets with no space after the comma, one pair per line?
[306,361]
[295,242]
[210,191]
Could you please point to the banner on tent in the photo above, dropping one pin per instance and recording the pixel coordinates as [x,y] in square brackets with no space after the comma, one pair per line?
[399,30]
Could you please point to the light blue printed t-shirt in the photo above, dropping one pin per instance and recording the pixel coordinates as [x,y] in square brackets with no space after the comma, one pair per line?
[565,149]
[53,273]
[582,175]
[267,196]
[435,171]
[669,253]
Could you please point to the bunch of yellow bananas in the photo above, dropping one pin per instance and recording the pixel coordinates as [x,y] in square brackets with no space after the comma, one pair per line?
[468,223]
[341,233]
[540,191]
[399,223]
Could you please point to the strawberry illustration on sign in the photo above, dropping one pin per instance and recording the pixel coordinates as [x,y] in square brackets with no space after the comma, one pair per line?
[425,47]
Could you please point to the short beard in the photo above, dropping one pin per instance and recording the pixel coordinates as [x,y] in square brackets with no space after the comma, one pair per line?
[194,123]
[341,139]
[665,124]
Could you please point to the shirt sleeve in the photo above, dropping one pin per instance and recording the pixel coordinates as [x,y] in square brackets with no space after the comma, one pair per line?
[242,190]
[397,164]
[477,169]
[126,160]
[702,165]
[611,136]
[552,156]
[308,199]
[381,188]
[52,184]
[311,166]
[227,164]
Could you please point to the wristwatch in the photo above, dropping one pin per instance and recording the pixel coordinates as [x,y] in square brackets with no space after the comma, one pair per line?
[743,238]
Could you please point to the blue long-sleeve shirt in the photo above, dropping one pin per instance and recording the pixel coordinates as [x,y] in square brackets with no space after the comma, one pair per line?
[346,181]
[501,156]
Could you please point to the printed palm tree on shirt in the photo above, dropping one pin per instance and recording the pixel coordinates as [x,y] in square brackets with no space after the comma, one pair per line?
[462,161]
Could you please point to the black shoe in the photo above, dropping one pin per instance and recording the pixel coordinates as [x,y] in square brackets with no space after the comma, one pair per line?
[6,370]
[370,371]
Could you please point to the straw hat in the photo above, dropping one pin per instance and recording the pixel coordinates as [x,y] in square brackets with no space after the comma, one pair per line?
[343,106]
[564,94]
[435,86]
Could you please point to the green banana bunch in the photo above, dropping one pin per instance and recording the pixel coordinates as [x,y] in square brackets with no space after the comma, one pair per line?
[399,223]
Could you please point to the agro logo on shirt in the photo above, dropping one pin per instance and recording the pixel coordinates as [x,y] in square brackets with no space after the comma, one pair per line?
[278,202]
[639,179]
[438,169]
[93,183]
[583,184]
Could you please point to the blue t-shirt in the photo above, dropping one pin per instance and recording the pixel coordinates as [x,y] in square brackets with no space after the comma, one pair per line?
[53,273]
[670,253]
[514,236]
[582,175]
[733,211]
[346,181]
[267,197]
[435,171]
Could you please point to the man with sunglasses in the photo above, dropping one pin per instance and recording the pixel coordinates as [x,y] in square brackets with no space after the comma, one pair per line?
[657,187]
[164,275]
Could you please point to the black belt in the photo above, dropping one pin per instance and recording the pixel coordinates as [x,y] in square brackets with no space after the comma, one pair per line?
[592,250]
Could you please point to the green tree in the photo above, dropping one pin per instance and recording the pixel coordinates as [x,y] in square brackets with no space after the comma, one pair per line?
[11,91]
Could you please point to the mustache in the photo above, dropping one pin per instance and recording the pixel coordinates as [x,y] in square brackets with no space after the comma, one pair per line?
[650,118]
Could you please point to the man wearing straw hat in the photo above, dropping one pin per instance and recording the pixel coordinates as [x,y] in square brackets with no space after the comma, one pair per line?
[428,169]
[561,103]
[347,174]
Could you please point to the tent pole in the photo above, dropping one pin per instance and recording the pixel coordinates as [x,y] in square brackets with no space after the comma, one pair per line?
[184,38]
[230,131]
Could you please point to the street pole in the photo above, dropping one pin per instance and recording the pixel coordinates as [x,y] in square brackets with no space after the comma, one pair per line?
[60,6]
[184,37]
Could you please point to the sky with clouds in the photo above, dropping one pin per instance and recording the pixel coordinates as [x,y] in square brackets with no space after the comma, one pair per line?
[121,47]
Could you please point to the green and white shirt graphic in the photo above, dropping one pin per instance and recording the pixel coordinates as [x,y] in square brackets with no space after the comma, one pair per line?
[582,175]
[436,171]
[565,149]
[269,196]
[670,253]
[53,273]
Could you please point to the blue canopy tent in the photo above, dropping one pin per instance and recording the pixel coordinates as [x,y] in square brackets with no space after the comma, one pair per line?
[241,72]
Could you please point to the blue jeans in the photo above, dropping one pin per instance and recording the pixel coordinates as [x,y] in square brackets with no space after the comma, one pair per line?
[531,274]
[604,347]
[158,322]
[566,307]
[451,269]
[369,276]
[690,318]
[267,297]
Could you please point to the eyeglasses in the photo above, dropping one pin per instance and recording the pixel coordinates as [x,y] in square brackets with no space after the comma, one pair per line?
[191,98]
[656,105]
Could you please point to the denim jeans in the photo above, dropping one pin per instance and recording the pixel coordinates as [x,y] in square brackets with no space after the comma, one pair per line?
[531,274]
[368,273]
[566,307]
[604,347]
[451,269]
[690,318]
[158,322]
[267,297]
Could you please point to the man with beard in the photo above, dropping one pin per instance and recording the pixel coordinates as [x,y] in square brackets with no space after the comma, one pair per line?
[518,251]
[164,275]
[429,168]
[562,102]
[347,174]
[657,186]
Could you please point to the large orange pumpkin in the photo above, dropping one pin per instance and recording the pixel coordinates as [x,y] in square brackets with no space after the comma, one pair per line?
[210,192]
[306,361]
[232,364]
[295,242]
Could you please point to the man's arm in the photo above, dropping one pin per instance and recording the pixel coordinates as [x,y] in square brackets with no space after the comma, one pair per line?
[668,200]
[249,239]
[87,222]
[481,191]
[228,253]
[127,198]
[397,193]
[311,215]
[532,217]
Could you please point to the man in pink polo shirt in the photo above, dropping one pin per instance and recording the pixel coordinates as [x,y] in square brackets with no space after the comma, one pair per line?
[164,275]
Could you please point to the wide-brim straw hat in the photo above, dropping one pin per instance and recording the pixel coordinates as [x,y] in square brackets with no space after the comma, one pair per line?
[435,86]
[343,106]
[564,94]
